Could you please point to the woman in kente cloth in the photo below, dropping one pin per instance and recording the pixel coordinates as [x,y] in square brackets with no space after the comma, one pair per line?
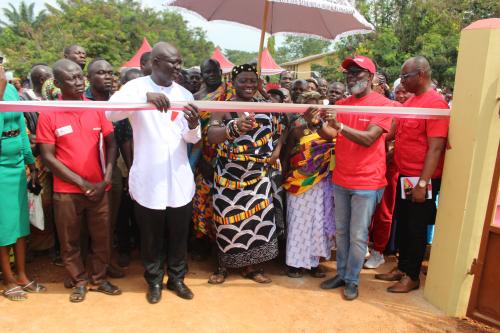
[244,216]
[310,214]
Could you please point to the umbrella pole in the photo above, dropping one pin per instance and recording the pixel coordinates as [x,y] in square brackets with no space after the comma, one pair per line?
[262,35]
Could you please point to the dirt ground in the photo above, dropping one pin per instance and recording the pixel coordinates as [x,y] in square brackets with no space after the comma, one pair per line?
[239,305]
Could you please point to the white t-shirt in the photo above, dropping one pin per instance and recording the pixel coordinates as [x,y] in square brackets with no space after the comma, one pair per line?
[160,176]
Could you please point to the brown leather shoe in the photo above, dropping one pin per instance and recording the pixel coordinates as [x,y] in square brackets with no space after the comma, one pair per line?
[405,285]
[394,275]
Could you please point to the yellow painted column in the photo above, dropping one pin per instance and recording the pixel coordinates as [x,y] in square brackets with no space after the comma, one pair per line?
[474,138]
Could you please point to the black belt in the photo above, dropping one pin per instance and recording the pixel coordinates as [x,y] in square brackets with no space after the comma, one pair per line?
[11,133]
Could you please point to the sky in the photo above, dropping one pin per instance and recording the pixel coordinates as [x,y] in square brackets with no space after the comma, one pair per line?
[225,35]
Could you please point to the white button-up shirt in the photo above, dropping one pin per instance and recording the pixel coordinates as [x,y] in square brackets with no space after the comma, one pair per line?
[160,176]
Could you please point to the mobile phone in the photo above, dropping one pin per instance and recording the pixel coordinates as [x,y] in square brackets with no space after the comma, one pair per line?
[1,60]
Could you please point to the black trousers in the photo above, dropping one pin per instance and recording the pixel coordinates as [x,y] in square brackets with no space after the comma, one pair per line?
[411,233]
[164,234]
[126,226]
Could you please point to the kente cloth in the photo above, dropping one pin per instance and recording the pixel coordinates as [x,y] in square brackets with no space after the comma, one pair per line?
[203,208]
[243,206]
[202,201]
[309,163]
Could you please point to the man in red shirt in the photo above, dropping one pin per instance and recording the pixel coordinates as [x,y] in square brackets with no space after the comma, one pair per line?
[418,153]
[70,146]
[359,175]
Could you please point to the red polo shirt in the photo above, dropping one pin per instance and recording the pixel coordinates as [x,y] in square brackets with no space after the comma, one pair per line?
[76,137]
[411,143]
[358,167]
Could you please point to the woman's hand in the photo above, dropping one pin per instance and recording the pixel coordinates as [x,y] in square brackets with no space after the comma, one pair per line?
[245,124]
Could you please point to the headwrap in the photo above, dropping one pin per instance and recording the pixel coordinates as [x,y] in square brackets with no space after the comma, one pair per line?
[242,68]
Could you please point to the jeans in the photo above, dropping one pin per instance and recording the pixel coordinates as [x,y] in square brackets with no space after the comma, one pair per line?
[353,214]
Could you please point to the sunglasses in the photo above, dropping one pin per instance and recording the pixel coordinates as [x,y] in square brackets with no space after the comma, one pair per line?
[407,75]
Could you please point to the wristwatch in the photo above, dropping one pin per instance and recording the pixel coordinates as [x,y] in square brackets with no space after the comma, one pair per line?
[422,183]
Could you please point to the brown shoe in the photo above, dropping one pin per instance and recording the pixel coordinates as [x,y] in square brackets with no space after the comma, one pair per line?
[405,285]
[394,275]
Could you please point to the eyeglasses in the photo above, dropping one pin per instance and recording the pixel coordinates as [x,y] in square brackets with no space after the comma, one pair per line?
[407,75]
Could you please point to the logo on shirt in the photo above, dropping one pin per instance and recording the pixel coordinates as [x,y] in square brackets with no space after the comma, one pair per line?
[96,129]
[64,130]
[364,119]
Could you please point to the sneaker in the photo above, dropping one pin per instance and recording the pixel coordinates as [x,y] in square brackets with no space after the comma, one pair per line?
[367,254]
[376,259]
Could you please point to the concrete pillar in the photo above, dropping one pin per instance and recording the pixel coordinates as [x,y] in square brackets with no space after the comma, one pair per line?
[474,138]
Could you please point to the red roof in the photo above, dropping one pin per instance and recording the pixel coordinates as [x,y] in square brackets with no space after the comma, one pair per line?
[135,62]
[269,66]
[225,64]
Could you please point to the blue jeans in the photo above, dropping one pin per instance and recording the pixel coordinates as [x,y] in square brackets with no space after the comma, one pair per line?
[353,214]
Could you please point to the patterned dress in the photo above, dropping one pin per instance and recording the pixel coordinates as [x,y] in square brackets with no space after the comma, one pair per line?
[202,201]
[310,208]
[243,205]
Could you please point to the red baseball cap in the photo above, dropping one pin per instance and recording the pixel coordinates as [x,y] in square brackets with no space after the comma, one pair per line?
[360,61]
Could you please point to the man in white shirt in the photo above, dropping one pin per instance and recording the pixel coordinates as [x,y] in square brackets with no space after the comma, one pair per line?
[161,181]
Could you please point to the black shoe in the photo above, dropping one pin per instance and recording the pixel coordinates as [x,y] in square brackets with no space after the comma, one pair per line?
[294,272]
[123,260]
[154,293]
[350,291]
[180,289]
[332,283]
[114,272]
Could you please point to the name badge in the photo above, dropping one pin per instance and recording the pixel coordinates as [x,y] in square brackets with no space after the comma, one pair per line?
[64,130]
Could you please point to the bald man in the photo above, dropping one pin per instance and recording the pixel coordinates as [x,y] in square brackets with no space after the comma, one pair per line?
[161,181]
[419,156]
[70,147]
[77,54]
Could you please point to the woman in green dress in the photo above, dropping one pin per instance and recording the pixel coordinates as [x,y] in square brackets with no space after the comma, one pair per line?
[15,152]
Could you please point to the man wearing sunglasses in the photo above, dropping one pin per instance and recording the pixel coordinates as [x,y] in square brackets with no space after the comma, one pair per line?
[359,175]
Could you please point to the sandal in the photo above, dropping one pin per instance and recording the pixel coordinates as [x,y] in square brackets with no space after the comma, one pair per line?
[78,294]
[34,287]
[317,272]
[15,294]
[257,276]
[218,277]
[107,288]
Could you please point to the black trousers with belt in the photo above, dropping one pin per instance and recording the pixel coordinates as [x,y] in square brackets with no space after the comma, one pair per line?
[164,235]
[411,232]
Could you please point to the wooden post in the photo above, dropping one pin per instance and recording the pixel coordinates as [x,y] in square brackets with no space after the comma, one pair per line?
[262,35]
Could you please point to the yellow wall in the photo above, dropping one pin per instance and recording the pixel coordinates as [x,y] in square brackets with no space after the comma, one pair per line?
[304,69]
[474,138]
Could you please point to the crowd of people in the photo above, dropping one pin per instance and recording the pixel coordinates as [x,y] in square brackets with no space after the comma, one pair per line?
[243,187]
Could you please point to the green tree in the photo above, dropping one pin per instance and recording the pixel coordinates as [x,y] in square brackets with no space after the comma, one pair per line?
[406,28]
[23,21]
[110,29]
[271,45]
[295,47]
[238,57]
